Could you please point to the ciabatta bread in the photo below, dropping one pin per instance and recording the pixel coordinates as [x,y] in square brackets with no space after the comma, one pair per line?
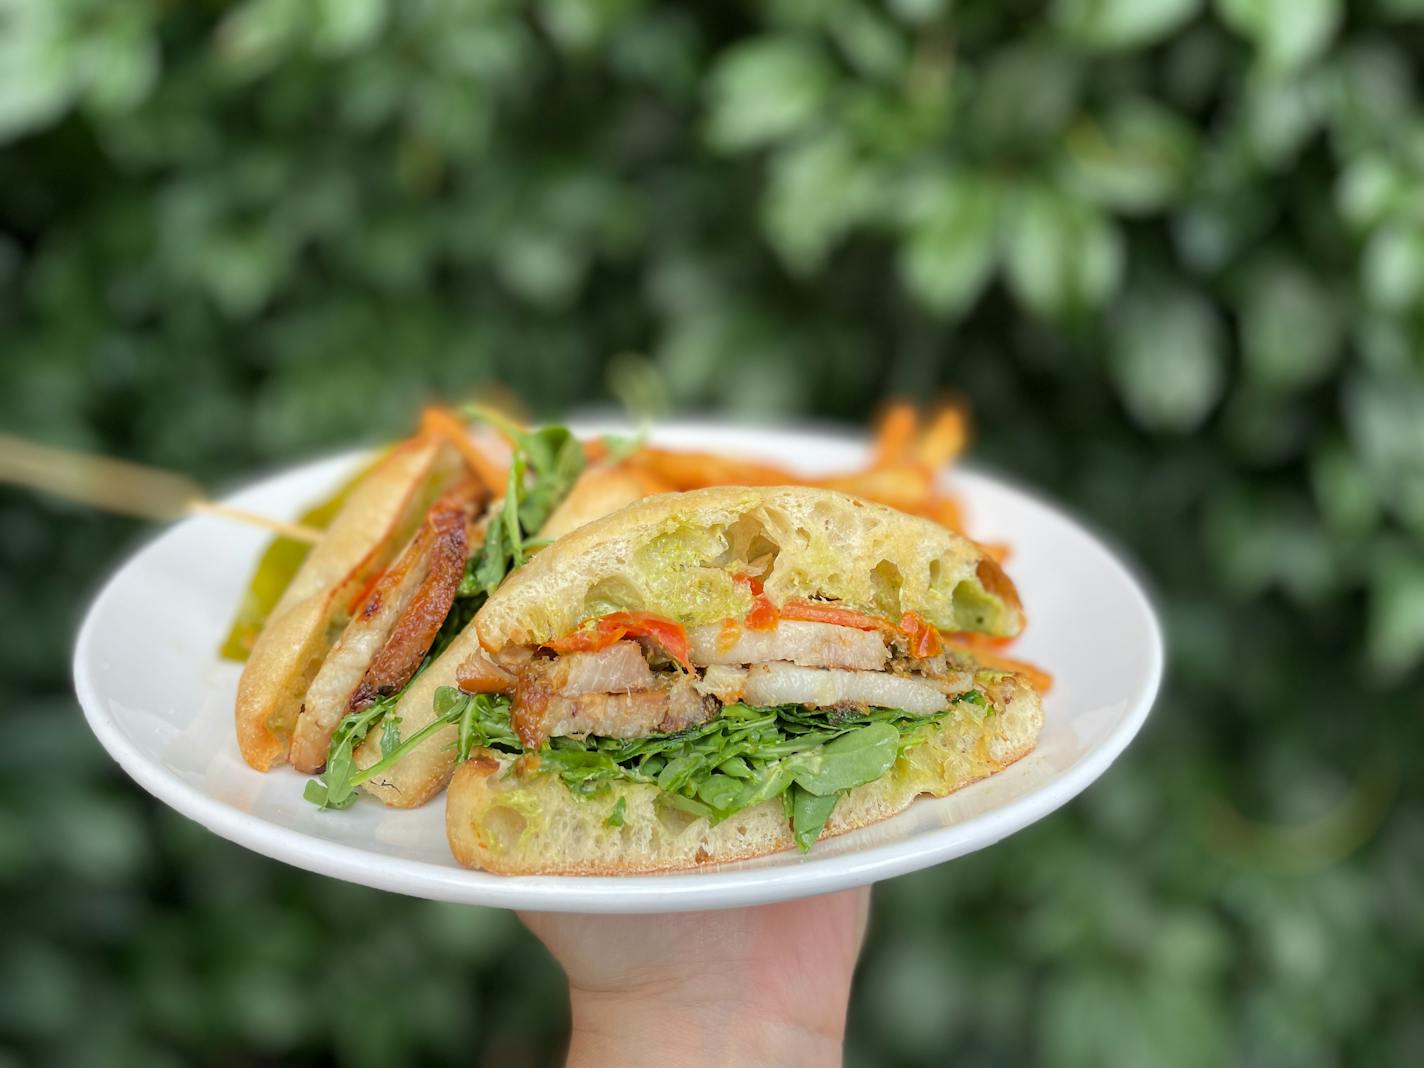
[675,555]
[533,824]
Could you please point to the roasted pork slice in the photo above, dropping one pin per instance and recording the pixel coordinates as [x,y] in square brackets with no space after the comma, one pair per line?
[393,625]
[724,682]
[672,704]
[790,684]
[479,673]
[410,639]
[795,641]
[620,667]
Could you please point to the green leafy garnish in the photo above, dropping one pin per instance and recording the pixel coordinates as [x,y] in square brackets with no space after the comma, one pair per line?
[615,815]
[545,465]
[482,719]
[809,813]
[337,786]
[744,757]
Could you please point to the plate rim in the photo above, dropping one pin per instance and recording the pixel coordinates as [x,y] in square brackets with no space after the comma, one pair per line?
[674,891]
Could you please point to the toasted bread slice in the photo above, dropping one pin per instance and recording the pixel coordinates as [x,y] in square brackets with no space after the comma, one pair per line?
[676,555]
[379,515]
[502,822]
[424,771]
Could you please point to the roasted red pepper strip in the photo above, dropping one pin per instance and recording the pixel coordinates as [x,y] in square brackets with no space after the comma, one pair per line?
[923,639]
[619,625]
[815,612]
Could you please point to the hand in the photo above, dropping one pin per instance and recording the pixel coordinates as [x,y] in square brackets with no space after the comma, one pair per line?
[765,985]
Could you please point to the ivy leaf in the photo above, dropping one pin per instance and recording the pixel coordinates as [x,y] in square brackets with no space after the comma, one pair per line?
[1167,358]
[1287,33]
[766,89]
[819,190]
[1064,257]
[1110,25]
[951,241]
[1135,159]
[1392,270]
[1396,626]
[1292,328]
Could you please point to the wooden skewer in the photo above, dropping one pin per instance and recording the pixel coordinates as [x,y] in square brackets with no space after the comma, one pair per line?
[123,487]
[295,531]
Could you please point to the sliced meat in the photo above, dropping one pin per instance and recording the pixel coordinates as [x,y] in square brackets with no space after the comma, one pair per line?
[807,644]
[723,682]
[672,704]
[788,684]
[406,592]
[619,668]
[446,527]
[328,695]
[478,673]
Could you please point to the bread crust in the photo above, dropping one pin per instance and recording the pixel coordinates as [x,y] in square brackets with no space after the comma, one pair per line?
[499,822]
[362,538]
[825,543]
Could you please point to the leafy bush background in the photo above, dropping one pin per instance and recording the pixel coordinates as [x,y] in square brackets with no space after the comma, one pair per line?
[1172,251]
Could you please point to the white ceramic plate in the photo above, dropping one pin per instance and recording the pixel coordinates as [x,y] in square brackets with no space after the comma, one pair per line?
[160,700]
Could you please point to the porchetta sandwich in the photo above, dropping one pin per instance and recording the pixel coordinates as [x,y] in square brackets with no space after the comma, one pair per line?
[341,675]
[723,673]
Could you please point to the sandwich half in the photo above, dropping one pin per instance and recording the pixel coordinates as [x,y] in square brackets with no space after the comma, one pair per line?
[424,767]
[380,512]
[719,674]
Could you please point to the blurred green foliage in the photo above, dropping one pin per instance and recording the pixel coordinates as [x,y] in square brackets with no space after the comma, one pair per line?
[1171,250]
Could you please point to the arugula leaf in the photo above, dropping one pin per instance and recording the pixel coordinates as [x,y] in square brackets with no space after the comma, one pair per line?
[854,759]
[809,813]
[336,788]
[615,815]
[390,732]
[546,464]
[744,757]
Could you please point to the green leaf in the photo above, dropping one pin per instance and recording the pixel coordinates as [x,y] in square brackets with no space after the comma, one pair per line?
[1396,623]
[1343,489]
[556,459]
[854,759]
[1024,98]
[1064,257]
[1135,159]
[1292,328]
[819,190]
[390,733]
[1280,114]
[1392,270]
[719,791]
[346,26]
[38,70]
[615,815]
[809,813]
[1369,189]
[1167,358]
[1111,25]
[1287,33]
[950,243]
[766,89]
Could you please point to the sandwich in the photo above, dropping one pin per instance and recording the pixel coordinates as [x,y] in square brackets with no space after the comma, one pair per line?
[379,513]
[722,673]
[413,547]
[407,766]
